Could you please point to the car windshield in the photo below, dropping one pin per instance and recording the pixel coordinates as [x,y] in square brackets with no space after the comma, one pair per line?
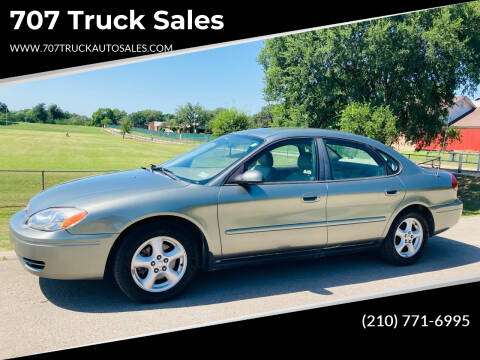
[208,160]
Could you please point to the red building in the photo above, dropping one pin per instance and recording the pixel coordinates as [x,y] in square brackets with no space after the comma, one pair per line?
[155,125]
[465,115]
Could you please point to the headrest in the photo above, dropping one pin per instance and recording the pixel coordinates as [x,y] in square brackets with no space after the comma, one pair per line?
[305,161]
[266,159]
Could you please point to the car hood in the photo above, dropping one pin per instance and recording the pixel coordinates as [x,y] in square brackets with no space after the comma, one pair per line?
[95,188]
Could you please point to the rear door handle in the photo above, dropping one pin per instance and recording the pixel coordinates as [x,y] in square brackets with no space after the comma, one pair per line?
[391,192]
[310,198]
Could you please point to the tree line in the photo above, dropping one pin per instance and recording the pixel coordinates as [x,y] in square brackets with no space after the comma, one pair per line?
[40,113]
[191,118]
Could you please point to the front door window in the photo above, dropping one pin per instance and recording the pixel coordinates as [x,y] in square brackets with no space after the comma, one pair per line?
[287,161]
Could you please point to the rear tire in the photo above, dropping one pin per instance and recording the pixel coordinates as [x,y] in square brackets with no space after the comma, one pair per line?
[156,262]
[406,239]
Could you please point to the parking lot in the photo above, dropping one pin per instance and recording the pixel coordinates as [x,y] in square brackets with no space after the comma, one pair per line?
[41,315]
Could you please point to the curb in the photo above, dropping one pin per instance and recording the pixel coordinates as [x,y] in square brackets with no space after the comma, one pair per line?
[7,255]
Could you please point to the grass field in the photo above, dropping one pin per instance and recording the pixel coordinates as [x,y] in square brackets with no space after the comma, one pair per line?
[469,193]
[42,146]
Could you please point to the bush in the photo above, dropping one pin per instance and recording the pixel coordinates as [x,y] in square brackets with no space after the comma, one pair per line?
[62,121]
[106,121]
[377,123]
[231,120]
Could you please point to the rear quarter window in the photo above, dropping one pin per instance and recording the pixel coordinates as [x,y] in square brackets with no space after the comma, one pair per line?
[392,164]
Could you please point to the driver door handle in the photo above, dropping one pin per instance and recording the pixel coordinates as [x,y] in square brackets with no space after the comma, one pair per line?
[310,198]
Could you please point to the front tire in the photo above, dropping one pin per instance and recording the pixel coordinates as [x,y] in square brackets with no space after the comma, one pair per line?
[155,262]
[406,239]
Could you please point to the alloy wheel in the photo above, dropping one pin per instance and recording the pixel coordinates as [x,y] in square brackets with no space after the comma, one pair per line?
[408,237]
[159,264]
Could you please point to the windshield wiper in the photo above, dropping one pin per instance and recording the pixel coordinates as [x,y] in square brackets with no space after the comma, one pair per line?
[163,170]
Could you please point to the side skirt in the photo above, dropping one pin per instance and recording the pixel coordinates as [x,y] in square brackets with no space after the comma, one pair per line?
[296,255]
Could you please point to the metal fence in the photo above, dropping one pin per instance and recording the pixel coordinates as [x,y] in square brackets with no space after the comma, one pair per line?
[455,156]
[173,136]
[43,172]
[458,161]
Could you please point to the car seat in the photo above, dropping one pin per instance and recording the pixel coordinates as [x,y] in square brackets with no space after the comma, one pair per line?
[265,166]
[305,165]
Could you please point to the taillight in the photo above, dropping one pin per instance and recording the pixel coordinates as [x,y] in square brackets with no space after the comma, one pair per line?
[454,182]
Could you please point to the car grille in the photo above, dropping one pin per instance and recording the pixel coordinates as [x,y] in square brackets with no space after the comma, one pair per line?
[34,265]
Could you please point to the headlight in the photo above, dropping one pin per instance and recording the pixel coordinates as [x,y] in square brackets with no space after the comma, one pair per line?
[56,218]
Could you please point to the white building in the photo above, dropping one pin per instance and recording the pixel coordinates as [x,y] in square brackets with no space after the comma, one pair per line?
[462,106]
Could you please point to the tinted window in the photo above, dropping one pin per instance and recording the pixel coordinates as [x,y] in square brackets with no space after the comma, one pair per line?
[350,160]
[290,160]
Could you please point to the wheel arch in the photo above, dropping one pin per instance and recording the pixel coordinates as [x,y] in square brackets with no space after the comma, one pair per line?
[190,225]
[417,207]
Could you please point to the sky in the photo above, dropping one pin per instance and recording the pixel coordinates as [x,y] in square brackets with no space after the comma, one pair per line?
[224,77]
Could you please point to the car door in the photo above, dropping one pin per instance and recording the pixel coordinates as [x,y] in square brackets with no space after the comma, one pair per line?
[363,192]
[284,213]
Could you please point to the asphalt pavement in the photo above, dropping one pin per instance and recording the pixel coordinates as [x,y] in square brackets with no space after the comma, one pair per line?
[39,315]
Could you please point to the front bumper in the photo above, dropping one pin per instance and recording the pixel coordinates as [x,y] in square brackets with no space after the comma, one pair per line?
[445,216]
[59,254]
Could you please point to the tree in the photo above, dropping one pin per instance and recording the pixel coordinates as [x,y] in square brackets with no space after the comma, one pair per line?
[118,115]
[375,122]
[3,108]
[56,113]
[264,118]
[3,111]
[125,126]
[209,116]
[191,116]
[450,134]
[106,122]
[101,114]
[414,63]
[143,117]
[18,116]
[80,120]
[229,121]
[39,113]
[169,121]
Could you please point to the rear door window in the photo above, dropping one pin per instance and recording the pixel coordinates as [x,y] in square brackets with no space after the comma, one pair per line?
[351,160]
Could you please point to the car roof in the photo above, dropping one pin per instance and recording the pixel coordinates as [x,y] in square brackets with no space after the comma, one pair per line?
[279,133]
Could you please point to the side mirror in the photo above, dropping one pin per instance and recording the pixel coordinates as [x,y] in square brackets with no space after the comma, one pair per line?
[249,177]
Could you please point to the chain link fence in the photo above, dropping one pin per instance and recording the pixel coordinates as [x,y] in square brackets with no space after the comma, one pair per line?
[18,186]
[170,136]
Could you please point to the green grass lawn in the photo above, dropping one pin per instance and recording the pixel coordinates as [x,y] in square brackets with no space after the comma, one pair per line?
[33,146]
[44,146]
[469,193]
